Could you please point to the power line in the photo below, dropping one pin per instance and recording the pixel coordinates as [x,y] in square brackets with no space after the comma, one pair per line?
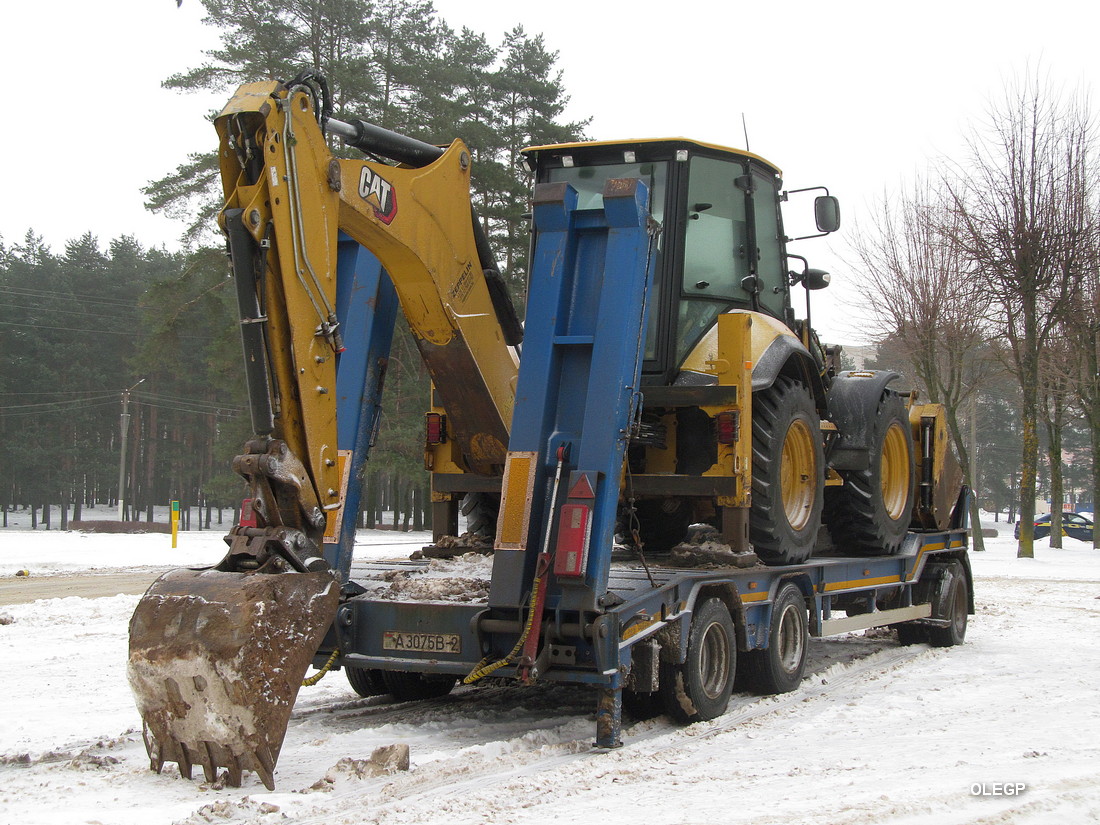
[51,392]
[98,331]
[224,413]
[70,329]
[68,296]
[214,405]
[54,411]
[72,402]
[81,312]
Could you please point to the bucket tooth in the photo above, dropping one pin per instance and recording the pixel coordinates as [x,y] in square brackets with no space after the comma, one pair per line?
[156,760]
[209,765]
[184,761]
[216,660]
[235,771]
[265,767]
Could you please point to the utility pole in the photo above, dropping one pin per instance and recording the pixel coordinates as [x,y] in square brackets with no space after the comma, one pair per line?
[125,427]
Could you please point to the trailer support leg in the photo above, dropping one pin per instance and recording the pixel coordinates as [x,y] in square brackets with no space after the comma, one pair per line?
[444,518]
[609,718]
[735,528]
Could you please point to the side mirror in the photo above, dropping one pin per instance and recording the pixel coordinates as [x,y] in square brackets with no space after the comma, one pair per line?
[827,214]
[816,279]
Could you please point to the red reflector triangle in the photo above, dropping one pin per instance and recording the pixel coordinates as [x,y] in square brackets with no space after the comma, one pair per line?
[583,488]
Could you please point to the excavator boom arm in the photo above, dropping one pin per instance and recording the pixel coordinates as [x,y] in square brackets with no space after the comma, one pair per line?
[217,656]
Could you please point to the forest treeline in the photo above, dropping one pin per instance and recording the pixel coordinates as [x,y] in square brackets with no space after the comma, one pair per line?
[81,326]
[983,278]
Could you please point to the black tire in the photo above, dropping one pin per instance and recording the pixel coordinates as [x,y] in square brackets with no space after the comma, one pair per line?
[481,511]
[951,602]
[410,687]
[700,688]
[779,667]
[642,706]
[911,633]
[787,494]
[663,523]
[870,513]
[944,584]
[365,682]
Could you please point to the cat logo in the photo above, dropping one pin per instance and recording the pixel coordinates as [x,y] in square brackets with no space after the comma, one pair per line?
[378,192]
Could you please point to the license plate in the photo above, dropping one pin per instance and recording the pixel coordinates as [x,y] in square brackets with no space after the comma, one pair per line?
[422,642]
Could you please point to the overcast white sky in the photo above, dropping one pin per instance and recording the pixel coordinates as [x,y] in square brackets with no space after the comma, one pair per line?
[852,95]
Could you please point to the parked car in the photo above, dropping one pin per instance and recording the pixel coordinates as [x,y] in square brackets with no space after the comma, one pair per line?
[1073,524]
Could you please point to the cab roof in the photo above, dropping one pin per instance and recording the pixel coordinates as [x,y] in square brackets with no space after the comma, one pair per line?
[656,143]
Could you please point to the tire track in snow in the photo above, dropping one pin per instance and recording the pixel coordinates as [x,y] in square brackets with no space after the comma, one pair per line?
[478,774]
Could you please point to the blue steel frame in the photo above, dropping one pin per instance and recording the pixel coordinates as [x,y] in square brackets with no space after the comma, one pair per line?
[581,366]
[366,307]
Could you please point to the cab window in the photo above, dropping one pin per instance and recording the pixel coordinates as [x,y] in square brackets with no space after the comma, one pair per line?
[716,238]
[770,269]
[716,235]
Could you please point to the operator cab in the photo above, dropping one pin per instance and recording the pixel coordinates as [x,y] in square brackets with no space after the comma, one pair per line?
[721,246]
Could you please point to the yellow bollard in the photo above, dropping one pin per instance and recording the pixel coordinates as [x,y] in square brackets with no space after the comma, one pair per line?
[175,522]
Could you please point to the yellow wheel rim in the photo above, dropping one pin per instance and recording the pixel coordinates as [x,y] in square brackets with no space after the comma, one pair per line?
[894,471]
[798,475]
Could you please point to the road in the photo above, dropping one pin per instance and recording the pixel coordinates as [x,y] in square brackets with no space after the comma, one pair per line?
[25,589]
[135,580]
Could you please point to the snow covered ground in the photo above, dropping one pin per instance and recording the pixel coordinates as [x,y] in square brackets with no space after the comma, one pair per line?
[876,734]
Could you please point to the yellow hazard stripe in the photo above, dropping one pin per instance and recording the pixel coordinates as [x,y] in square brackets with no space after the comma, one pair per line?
[927,548]
[859,583]
[638,627]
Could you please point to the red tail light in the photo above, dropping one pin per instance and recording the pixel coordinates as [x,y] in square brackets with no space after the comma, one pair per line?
[727,426]
[436,429]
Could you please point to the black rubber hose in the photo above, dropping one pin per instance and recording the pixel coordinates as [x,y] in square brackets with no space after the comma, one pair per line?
[243,251]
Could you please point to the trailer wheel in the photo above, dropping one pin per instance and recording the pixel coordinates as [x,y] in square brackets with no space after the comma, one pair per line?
[700,688]
[945,585]
[951,602]
[408,687]
[788,473]
[911,633]
[642,706]
[870,513]
[365,681]
[779,667]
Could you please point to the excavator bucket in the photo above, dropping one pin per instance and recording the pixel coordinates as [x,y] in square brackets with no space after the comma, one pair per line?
[216,660]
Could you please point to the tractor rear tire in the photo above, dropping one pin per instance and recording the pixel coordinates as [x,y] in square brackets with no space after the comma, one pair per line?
[869,514]
[481,511]
[788,473]
[699,689]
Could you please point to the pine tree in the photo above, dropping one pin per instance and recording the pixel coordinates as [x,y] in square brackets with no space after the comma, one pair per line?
[394,63]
